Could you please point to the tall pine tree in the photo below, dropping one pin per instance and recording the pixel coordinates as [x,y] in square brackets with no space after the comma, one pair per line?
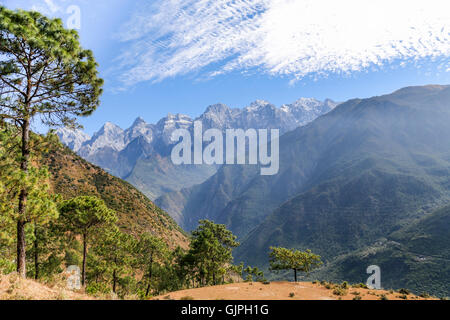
[46,76]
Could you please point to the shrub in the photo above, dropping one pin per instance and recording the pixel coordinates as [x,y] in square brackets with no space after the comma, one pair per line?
[344,285]
[338,291]
[425,295]
[404,297]
[384,297]
[357,298]
[97,288]
[404,291]
[291,295]
[187,298]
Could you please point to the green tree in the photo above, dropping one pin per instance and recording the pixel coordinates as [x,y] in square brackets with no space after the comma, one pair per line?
[81,215]
[35,182]
[210,251]
[46,249]
[115,248]
[149,251]
[290,259]
[253,274]
[45,75]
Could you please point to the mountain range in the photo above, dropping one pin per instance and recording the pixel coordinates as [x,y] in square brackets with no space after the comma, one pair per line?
[140,154]
[347,181]
[365,182]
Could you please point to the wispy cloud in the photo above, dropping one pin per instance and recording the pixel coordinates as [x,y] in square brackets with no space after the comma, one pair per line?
[295,38]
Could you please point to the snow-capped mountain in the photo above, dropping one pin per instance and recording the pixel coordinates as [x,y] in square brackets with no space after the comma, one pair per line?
[110,136]
[74,139]
[119,151]
[167,125]
[305,110]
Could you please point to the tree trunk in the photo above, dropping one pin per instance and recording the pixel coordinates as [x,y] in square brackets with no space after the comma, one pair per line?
[21,222]
[295,274]
[83,270]
[149,275]
[36,254]
[21,256]
[114,281]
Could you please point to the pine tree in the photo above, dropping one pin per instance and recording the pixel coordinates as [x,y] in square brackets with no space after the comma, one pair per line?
[82,215]
[115,248]
[149,251]
[290,259]
[13,181]
[210,251]
[45,75]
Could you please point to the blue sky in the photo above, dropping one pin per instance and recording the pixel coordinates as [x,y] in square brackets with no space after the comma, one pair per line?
[180,56]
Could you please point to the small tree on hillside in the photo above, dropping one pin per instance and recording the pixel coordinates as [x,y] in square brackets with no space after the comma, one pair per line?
[290,259]
[45,75]
[82,215]
[149,251]
[115,248]
[253,274]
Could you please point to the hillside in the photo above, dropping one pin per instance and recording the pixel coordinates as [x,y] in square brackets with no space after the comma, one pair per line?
[157,175]
[376,164]
[415,257]
[73,176]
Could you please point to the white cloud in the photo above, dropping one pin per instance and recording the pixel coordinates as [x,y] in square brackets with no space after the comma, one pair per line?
[293,38]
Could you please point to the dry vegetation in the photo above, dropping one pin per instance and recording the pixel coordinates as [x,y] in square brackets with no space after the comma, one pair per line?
[286,291]
[12,287]
[73,176]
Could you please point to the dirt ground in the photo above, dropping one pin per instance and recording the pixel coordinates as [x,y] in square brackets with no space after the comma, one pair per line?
[12,287]
[282,291]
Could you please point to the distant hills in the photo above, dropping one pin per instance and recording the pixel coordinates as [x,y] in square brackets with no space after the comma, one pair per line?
[347,180]
[140,154]
[73,176]
[416,257]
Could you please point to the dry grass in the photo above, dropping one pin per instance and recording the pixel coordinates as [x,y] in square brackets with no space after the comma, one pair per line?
[12,287]
[284,291]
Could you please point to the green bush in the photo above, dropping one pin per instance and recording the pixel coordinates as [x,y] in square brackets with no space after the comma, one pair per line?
[96,288]
[338,291]
[404,291]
